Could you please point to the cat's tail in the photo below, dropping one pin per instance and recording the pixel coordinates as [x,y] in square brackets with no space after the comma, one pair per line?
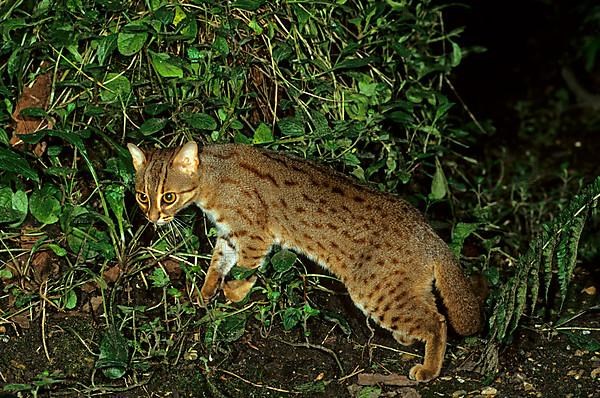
[460,298]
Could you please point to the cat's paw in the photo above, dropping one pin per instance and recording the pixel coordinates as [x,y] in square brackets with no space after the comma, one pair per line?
[236,290]
[206,295]
[421,373]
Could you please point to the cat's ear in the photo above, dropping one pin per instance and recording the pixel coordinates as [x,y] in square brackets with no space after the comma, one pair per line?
[187,158]
[138,157]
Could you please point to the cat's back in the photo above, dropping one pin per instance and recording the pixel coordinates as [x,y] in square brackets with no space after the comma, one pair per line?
[312,189]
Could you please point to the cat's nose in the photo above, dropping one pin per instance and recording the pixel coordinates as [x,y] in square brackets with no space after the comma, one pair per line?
[154,216]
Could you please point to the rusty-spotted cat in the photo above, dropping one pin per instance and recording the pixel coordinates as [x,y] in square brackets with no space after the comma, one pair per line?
[378,245]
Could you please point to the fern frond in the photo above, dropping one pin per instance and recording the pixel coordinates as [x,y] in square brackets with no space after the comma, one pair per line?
[566,254]
[554,250]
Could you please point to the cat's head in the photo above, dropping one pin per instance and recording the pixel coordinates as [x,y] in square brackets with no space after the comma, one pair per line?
[166,180]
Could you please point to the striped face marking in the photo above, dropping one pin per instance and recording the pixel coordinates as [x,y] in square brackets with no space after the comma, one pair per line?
[166,180]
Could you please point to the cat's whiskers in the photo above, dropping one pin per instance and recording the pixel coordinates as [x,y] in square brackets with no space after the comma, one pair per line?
[176,229]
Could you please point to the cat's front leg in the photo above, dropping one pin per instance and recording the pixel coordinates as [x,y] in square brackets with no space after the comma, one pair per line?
[223,259]
[251,252]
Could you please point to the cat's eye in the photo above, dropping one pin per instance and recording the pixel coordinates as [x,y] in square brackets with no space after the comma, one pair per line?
[142,198]
[169,198]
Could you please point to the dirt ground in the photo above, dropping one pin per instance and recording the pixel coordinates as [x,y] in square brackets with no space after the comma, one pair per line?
[540,362]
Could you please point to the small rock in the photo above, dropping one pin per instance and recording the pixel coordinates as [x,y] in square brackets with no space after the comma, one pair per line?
[580,353]
[595,373]
[459,394]
[2,330]
[576,374]
[489,391]
[528,386]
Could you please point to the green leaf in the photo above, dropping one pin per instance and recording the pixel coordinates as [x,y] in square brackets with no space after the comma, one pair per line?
[239,273]
[20,204]
[70,299]
[354,63]
[291,317]
[232,328]
[337,319]
[439,185]
[189,29]
[220,45]
[4,137]
[164,65]
[461,232]
[255,26]
[59,251]
[115,86]
[5,273]
[89,242]
[159,277]
[45,204]
[152,126]
[200,121]
[262,134]
[456,55]
[369,392]
[113,358]
[180,15]
[130,43]
[248,5]
[106,46]
[115,195]
[241,138]
[311,387]
[291,126]
[13,163]
[320,123]
[156,109]
[283,260]
[583,342]
[33,112]
[15,387]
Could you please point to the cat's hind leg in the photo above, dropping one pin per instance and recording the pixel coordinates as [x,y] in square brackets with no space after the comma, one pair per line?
[433,333]
[423,323]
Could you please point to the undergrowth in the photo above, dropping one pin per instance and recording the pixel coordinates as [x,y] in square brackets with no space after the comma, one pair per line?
[362,85]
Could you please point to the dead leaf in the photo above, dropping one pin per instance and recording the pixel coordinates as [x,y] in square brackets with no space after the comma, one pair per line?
[22,320]
[36,95]
[173,269]
[394,379]
[40,148]
[590,290]
[93,305]
[112,274]
[89,287]
[40,264]
[28,237]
